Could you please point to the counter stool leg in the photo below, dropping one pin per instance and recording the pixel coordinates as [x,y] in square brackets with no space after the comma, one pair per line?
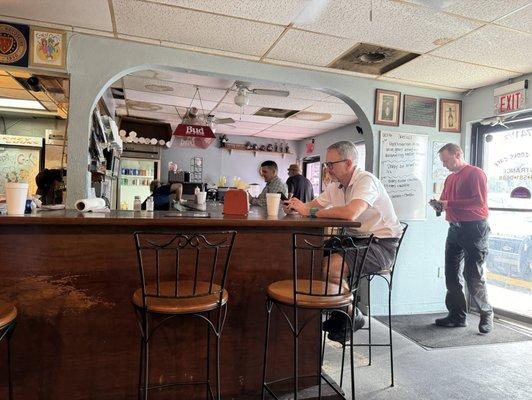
[146,356]
[296,353]
[352,356]
[218,385]
[369,319]
[390,330]
[320,358]
[269,306]
[141,367]
[209,389]
[9,364]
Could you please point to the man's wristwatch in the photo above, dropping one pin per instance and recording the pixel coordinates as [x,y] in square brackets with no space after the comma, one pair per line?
[312,212]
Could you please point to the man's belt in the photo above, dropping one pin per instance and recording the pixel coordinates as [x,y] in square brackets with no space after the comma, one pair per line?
[466,223]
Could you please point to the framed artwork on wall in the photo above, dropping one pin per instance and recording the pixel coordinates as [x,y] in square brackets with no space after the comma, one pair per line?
[387,106]
[419,110]
[450,115]
[47,47]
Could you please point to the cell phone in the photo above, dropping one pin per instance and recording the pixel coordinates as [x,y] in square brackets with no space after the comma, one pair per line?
[283,197]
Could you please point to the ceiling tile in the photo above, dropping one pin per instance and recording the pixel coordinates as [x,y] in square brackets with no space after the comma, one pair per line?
[250,118]
[398,25]
[234,109]
[343,119]
[16,94]
[153,115]
[72,13]
[492,46]
[332,108]
[309,124]
[168,100]
[485,10]
[188,78]
[282,136]
[273,101]
[440,71]
[178,89]
[8,82]
[309,48]
[296,92]
[178,25]
[258,10]
[520,20]
[152,107]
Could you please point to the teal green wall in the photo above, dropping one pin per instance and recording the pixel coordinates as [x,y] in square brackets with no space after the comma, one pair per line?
[95,62]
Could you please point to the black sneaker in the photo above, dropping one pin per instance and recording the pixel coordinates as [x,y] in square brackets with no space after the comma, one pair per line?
[341,333]
[486,323]
[334,323]
[450,322]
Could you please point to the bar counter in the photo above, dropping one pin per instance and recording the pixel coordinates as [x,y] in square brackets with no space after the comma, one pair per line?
[72,276]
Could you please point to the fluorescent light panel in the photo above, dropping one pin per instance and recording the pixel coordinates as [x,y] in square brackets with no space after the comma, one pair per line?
[16,103]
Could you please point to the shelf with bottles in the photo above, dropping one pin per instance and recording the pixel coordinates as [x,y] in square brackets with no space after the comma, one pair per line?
[137,176]
[230,150]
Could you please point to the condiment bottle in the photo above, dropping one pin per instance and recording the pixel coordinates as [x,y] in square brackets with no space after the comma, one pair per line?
[149,204]
[137,204]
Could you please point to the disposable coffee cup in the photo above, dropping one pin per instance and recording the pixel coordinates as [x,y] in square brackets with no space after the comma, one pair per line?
[272,203]
[201,197]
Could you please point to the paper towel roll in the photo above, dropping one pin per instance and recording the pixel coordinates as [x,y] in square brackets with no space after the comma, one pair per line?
[94,204]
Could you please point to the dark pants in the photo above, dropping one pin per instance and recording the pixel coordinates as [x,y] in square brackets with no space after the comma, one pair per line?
[466,241]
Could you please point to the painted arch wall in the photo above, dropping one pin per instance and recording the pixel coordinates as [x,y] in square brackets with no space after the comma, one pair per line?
[95,62]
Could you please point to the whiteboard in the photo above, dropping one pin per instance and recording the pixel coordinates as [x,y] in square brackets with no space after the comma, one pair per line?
[23,160]
[403,172]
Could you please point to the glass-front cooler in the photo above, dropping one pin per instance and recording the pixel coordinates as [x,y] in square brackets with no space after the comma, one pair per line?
[135,178]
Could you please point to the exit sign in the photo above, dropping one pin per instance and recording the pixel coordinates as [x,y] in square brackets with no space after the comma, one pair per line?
[510,97]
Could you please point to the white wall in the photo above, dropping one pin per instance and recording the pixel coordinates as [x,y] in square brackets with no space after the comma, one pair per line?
[34,127]
[218,162]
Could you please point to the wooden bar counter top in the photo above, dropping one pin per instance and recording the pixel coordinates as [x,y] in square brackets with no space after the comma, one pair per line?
[71,277]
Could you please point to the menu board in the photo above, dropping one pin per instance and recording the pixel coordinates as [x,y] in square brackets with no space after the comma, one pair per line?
[403,172]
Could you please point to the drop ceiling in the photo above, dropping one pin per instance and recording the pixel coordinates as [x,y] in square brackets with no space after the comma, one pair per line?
[464,44]
[165,96]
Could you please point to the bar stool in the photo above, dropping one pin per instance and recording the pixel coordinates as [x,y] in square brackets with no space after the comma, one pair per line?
[312,288]
[387,275]
[181,274]
[8,320]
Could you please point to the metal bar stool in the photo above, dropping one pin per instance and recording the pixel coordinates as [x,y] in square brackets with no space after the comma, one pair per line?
[8,321]
[182,274]
[313,288]
[387,275]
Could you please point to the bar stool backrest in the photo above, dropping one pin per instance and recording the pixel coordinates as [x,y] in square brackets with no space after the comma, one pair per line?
[392,270]
[171,261]
[312,263]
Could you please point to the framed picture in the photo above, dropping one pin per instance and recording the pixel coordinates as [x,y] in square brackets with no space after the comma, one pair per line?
[47,47]
[387,106]
[419,110]
[450,115]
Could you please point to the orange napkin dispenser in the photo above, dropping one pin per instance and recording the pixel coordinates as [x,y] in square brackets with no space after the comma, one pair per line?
[236,202]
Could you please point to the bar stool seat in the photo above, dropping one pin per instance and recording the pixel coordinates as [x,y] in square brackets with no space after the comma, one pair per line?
[188,301]
[8,313]
[283,292]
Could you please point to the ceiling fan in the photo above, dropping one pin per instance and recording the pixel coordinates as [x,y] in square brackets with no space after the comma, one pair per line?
[243,92]
[493,121]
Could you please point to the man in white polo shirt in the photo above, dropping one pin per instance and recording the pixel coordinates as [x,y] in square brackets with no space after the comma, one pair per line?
[355,195]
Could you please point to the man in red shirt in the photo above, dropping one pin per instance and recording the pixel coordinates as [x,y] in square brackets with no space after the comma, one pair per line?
[464,200]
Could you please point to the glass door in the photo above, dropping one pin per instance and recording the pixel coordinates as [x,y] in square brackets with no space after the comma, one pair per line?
[506,157]
[312,171]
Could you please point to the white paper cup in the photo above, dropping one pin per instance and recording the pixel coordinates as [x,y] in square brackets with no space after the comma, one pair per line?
[272,203]
[16,194]
[201,197]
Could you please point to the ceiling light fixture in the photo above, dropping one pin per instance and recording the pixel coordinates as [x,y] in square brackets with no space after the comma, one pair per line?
[17,103]
[241,99]
[159,88]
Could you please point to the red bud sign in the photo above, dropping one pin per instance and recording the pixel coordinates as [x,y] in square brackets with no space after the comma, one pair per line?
[192,136]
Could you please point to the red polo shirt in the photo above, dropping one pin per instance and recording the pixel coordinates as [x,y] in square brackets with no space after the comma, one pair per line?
[466,193]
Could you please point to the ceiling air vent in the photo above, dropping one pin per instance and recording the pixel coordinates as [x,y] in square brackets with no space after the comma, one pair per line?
[118,93]
[370,59]
[275,112]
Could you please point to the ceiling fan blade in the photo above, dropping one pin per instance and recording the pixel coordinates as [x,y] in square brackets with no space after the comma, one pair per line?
[224,120]
[270,92]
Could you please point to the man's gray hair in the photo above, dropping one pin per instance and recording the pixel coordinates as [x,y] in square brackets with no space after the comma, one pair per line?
[346,149]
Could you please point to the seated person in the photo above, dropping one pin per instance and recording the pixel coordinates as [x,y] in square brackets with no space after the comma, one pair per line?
[354,195]
[268,171]
[153,186]
[298,185]
[50,186]
[164,195]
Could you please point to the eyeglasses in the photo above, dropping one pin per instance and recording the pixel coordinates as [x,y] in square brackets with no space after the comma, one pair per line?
[330,164]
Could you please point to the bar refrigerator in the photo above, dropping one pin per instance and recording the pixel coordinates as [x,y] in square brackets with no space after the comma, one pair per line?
[139,165]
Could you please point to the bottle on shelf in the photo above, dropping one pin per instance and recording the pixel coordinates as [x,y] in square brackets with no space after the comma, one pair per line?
[137,204]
